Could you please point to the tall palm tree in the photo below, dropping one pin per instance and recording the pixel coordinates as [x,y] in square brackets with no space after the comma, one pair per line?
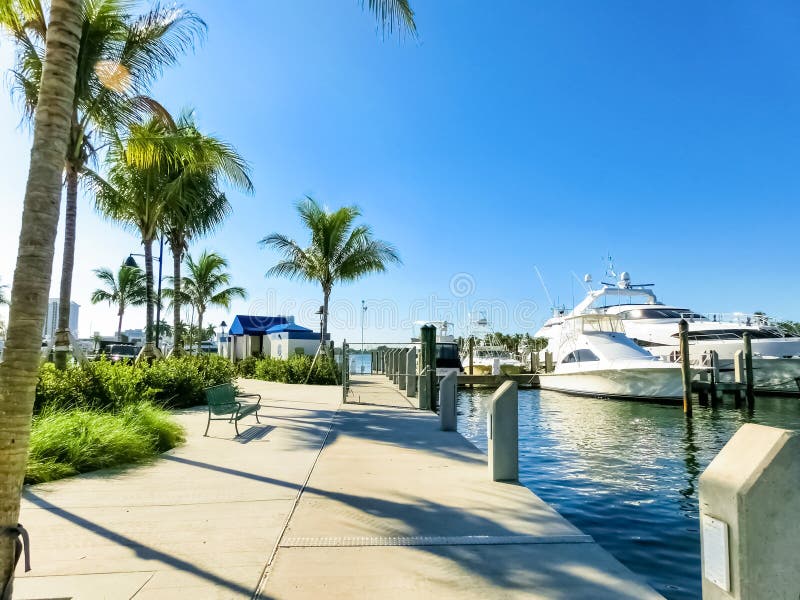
[198,206]
[339,250]
[207,284]
[126,288]
[134,195]
[20,369]
[120,56]
[165,177]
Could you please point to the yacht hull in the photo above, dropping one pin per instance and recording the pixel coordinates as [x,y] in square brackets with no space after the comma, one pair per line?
[642,382]
[778,375]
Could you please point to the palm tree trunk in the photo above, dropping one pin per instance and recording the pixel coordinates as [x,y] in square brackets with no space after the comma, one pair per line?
[177,254]
[149,350]
[19,371]
[326,298]
[119,325]
[67,264]
[199,329]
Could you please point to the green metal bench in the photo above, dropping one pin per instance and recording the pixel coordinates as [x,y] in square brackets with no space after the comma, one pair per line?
[223,400]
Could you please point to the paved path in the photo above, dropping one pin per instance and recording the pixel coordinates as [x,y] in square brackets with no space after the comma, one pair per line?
[198,523]
[396,508]
[390,507]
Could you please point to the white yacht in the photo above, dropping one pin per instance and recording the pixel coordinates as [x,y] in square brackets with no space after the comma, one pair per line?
[593,356]
[654,326]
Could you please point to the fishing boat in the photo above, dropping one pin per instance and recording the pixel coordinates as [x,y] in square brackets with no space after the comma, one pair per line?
[592,356]
[489,357]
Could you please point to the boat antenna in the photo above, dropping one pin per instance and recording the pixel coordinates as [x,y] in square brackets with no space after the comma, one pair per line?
[541,280]
[582,282]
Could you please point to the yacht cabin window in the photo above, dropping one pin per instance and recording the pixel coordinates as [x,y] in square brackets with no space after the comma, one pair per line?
[582,355]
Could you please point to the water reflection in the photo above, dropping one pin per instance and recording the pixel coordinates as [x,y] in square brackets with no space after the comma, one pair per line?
[626,472]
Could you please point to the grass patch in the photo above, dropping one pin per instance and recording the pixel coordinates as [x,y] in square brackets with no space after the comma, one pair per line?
[66,442]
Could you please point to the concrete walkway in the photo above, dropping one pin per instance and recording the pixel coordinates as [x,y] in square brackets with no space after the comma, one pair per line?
[200,522]
[391,508]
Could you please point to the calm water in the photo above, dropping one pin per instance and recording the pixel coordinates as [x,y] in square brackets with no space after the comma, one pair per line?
[625,472]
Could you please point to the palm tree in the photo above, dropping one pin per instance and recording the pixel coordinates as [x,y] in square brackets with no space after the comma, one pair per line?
[165,177]
[339,251]
[3,297]
[20,369]
[394,13]
[198,206]
[120,55]
[205,285]
[125,289]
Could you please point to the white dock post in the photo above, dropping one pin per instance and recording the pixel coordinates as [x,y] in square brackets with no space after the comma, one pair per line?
[411,373]
[503,433]
[448,417]
[401,371]
[750,517]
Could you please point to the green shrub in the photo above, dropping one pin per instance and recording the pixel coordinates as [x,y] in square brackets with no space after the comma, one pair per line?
[101,385]
[77,440]
[247,366]
[294,370]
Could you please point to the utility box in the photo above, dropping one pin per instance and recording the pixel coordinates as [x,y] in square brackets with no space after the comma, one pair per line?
[750,517]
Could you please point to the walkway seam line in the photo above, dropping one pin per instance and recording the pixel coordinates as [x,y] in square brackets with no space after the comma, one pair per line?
[266,570]
[435,540]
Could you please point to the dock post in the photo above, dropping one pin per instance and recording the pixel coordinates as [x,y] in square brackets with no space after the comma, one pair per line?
[686,367]
[427,376]
[411,373]
[739,376]
[471,354]
[503,433]
[748,367]
[750,516]
[393,363]
[702,390]
[714,375]
[401,371]
[548,362]
[447,402]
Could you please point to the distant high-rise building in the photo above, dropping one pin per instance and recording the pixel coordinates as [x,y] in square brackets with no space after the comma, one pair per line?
[51,323]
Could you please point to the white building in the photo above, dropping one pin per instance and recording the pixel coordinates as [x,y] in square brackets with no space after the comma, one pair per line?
[51,323]
[278,337]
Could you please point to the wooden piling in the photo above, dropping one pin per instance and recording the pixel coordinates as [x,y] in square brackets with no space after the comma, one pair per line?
[548,362]
[748,368]
[686,368]
[471,354]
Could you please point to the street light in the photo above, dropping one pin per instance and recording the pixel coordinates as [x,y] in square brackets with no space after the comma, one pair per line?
[363,314]
[131,262]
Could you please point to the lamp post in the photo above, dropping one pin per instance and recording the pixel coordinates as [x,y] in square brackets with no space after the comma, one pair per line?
[363,314]
[130,262]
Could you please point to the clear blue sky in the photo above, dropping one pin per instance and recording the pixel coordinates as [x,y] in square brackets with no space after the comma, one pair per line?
[521,134]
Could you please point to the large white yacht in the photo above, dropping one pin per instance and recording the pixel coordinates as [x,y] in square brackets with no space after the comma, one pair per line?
[593,356]
[654,326]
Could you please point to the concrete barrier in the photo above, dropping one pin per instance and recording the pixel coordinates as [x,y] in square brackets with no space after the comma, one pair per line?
[750,517]
[502,429]
[448,417]
[411,373]
[401,372]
